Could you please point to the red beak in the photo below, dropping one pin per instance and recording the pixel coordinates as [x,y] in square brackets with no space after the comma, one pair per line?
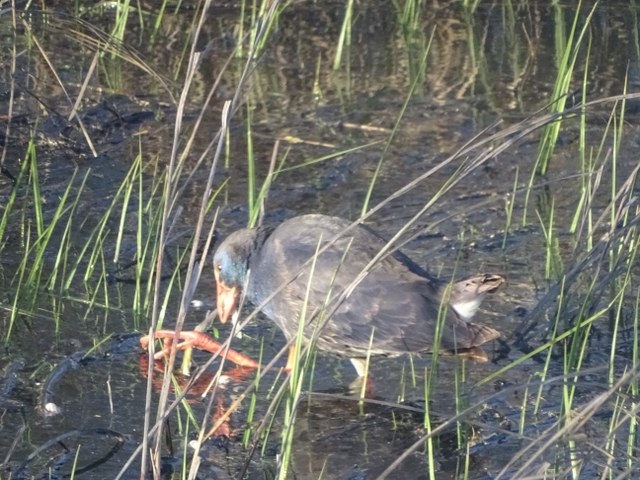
[227,299]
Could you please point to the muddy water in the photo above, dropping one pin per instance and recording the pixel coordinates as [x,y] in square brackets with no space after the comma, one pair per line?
[495,65]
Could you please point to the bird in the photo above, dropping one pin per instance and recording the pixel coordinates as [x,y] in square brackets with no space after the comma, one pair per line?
[312,268]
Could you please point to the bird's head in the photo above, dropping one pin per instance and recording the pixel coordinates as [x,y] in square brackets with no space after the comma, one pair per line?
[231,266]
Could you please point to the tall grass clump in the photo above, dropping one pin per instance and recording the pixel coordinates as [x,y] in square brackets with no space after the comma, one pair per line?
[44,234]
[203,230]
[568,48]
[594,283]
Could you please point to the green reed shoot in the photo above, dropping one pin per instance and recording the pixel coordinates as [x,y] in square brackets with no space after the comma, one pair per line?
[126,197]
[251,166]
[34,179]
[253,401]
[428,425]
[62,257]
[22,268]
[583,211]
[122,9]
[523,406]
[335,154]
[414,374]
[344,41]
[289,421]
[262,21]
[11,202]
[618,313]
[239,32]
[409,17]
[402,387]
[410,21]
[510,201]
[470,5]
[457,388]
[544,372]
[148,258]
[365,378]
[553,264]
[101,230]
[159,17]
[44,233]
[141,254]
[186,451]
[74,466]
[585,164]
[633,386]
[101,282]
[610,440]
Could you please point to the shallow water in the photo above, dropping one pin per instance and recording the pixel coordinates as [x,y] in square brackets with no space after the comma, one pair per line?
[495,65]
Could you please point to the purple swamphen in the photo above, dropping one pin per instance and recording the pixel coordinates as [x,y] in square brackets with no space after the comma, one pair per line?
[309,266]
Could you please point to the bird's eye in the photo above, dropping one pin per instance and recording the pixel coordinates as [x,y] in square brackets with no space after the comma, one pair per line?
[219,267]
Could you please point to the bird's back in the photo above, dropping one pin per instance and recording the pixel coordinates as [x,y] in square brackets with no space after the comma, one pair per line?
[349,298]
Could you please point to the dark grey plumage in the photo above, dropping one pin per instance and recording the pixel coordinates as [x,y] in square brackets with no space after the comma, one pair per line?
[396,301]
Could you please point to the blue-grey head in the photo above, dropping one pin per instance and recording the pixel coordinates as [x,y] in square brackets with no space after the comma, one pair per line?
[231,265]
